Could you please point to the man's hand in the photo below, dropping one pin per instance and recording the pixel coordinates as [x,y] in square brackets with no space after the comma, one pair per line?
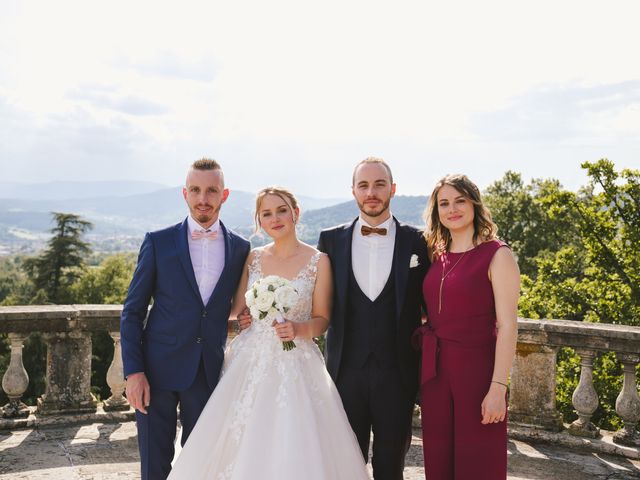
[138,392]
[244,319]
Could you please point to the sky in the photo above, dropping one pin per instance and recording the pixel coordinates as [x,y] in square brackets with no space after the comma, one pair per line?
[295,93]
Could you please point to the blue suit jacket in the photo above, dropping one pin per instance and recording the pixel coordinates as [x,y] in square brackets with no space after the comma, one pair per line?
[180,329]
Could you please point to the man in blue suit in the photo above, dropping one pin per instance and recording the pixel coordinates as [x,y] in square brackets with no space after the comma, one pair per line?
[174,356]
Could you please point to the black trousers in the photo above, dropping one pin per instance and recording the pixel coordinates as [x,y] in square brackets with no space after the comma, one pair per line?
[375,400]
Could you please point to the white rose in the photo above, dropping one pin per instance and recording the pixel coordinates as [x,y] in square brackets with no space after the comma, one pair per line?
[260,288]
[272,314]
[270,279]
[264,301]
[286,296]
[250,298]
[255,313]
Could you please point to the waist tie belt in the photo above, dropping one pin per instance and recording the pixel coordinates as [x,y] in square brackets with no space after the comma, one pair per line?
[425,338]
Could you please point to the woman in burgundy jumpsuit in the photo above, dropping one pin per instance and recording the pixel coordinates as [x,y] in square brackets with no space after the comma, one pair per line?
[468,343]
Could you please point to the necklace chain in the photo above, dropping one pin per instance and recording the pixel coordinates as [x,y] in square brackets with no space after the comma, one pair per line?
[444,275]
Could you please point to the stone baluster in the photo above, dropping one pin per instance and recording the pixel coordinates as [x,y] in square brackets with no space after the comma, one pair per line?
[628,403]
[585,398]
[68,374]
[15,380]
[115,378]
[532,398]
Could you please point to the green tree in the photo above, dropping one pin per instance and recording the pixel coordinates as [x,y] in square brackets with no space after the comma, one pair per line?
[595,277]
[520,212]
[106,283]
[55,270]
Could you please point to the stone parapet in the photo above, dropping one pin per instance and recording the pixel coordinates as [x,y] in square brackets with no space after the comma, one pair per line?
[532,403]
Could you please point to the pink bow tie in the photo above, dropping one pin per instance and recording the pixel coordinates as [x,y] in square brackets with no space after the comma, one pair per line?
[198,234]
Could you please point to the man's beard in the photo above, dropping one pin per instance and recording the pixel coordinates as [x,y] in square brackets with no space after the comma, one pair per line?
[385,207]
[206,217]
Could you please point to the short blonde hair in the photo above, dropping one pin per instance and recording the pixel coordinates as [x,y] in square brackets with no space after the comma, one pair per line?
[206,164]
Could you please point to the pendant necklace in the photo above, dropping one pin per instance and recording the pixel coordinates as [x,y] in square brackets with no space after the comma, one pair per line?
[444,275]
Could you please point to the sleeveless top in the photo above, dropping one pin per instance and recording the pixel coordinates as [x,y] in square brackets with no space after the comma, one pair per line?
[461,311]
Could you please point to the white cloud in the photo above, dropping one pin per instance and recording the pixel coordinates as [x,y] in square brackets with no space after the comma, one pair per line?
[296,92]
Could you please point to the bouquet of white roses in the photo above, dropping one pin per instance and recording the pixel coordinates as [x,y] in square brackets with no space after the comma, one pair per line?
[269,298]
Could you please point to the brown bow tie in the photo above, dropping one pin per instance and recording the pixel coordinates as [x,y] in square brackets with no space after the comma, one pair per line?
[369,230]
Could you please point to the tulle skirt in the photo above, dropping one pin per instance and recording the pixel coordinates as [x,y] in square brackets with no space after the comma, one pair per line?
[275,415]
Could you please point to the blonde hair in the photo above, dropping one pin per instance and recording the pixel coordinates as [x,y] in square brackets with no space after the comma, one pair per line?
[286,196]
[205,164]
[437,235]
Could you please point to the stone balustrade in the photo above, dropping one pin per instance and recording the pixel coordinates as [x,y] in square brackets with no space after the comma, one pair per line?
[532,400]
[67,331]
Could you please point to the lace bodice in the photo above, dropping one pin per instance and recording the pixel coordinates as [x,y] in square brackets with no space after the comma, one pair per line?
[304,282]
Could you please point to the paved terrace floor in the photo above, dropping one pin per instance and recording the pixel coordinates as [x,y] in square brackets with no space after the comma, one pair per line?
[108,451]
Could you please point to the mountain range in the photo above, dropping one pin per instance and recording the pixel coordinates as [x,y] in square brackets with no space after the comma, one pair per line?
[121,218]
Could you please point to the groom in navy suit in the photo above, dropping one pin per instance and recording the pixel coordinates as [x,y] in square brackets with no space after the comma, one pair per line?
[173,355]
[378,266]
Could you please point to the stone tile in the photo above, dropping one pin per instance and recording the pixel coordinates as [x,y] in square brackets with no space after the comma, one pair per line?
[108,451]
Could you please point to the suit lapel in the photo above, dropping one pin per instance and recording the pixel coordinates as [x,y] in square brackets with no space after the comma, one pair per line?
[182,245]
[343,255]
[401,256]
[228,244]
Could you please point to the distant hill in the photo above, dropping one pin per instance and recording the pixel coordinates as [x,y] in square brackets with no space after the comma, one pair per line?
[62,190]
[120,221]
[407,209]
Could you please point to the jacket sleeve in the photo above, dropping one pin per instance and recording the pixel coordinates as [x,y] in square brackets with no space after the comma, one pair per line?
[322,243]
[136,307]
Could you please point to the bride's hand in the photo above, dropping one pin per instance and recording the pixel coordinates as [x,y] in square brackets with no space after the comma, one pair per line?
[286,330]
[244,319]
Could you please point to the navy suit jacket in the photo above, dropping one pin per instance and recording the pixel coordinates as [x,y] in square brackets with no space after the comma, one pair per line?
[180,329]
[336,242]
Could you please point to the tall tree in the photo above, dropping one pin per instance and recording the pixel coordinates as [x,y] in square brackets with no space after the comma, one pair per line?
[58,266]
[520,211]
[598,278]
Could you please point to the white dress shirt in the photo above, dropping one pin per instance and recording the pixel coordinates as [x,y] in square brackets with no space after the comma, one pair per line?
[207,258]
[372,257]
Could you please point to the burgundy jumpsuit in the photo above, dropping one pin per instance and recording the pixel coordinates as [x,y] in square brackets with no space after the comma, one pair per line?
[458,347]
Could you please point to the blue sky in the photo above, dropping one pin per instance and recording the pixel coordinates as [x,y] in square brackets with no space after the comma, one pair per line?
[296,92]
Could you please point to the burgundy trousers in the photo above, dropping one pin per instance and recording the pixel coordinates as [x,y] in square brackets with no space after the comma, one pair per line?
[457,446]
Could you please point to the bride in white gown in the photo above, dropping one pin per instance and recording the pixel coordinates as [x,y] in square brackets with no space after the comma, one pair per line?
[276,414]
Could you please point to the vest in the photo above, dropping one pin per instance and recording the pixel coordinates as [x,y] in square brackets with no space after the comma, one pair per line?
[370,326]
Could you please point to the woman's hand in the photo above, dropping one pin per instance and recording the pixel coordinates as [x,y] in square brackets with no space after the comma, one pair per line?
[286,330]
[244,319]
[494,405]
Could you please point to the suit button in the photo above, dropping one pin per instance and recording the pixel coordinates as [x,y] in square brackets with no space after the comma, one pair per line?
[198,339]
[204,313]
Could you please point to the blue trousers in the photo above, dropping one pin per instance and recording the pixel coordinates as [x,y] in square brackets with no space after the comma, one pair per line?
[157,429]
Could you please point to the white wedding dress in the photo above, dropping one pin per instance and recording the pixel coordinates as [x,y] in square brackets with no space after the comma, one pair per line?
[275,414]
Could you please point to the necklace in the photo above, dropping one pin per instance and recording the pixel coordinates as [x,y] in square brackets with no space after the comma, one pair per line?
[444,275]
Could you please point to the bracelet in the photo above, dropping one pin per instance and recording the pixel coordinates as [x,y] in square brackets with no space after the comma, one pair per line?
[500,383]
